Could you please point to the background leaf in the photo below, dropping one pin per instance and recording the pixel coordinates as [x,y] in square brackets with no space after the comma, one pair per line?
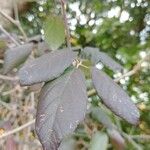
[116,139]
[54,31]
[68,144]
[15,56]
[115,97]
[47,67]
[61,107]
[96,56]
[109,62]
[100,115]
[91,53]
[99,141]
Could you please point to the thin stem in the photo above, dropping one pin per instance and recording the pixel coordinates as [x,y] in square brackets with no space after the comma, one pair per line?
[15,22]
[137,146]
[91,92]
[17,129]
[135,69]
[8,17]
[5,105]
[16,10]
[3,77]
[63,4]
[140,137]
[7,34]
[22,31]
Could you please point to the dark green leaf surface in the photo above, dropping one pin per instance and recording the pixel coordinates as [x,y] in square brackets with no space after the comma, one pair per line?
[47,67]
[15,56]
[114,97]
[62,105]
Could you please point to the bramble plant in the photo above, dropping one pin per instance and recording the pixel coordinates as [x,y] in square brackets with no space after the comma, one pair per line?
[63,99]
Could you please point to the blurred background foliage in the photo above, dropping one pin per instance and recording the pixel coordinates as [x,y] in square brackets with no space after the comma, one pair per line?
[121,28]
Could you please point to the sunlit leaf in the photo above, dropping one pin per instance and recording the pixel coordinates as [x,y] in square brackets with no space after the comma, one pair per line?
[62,105]
[114,97]
[47,67]
[54,31]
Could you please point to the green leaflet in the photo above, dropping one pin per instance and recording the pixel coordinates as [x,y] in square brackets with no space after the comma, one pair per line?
[54,31]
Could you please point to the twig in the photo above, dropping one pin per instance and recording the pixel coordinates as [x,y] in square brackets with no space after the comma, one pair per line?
[135,69]
[8,17]
[3,77]
[17,129]
[15,22]
[15,10]
[7,34]
[63,4]
[128,137]
[140,137]
[9,92]
[5,105]
[91,92]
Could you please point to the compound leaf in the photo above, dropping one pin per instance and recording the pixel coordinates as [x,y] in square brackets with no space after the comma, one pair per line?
[62,105]
[114,97]
[47,67]
[15,56]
